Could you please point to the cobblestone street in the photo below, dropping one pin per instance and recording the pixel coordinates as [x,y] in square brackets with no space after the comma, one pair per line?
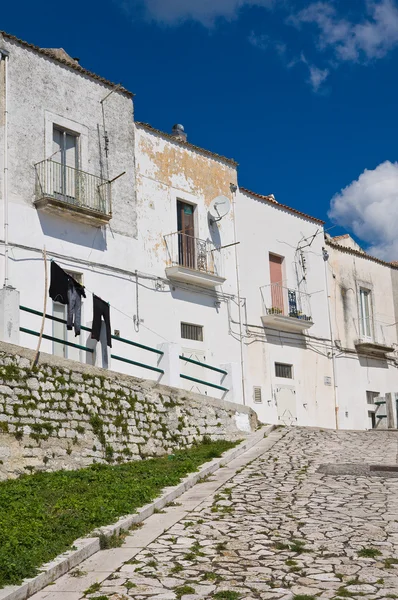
[277,529]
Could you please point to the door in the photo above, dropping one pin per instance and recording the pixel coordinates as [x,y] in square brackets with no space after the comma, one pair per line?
[186,235]
[64,165]
[285,397]
[275,270]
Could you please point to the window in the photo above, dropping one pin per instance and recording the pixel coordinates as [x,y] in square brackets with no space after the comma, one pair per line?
[282,370]
[365,325]
[192,332]
[257,395]
[371,397]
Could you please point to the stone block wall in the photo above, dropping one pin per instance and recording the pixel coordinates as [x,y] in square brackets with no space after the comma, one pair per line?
[66,415]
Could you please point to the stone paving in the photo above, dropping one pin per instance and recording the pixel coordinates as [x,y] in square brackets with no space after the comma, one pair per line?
[279,529]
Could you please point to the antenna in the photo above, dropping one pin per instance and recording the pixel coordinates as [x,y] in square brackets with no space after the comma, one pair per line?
[219,208]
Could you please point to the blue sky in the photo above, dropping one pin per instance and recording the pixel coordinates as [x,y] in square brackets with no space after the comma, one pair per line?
[303,95]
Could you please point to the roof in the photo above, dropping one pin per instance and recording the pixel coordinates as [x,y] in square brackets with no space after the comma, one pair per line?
[60,56]
[148,127]
[272,200]
[362,254]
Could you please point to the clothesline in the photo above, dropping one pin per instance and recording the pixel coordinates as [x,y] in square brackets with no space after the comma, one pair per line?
[100,309]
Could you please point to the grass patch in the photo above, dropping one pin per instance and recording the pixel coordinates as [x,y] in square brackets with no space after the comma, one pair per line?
[369,553]
[42,514]
[303,597]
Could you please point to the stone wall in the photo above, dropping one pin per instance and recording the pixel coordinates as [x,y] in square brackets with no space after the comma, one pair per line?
[66,415]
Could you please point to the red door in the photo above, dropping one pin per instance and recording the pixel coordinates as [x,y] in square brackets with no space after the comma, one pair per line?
[275,269]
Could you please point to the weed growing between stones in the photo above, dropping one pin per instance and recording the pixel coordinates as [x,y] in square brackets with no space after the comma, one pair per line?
[369,553]
[183,590]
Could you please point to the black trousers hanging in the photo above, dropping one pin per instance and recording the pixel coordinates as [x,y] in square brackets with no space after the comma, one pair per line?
[101,310]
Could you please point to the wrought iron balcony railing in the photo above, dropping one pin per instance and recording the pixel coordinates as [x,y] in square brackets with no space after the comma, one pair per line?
[286,302]
[193,253]
[73,188]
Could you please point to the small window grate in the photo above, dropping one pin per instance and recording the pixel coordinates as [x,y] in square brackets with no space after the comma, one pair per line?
[192,332]
[257,395]
[282,370]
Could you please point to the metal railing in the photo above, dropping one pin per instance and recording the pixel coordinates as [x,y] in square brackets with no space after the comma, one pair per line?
[122,358]
[205,366]
[191,252]
[88,349]
[287,302]
[73,187]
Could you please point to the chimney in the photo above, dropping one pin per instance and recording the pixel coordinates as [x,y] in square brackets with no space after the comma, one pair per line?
[179,133]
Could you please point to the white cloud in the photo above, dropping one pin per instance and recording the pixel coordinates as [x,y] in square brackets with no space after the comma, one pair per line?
[369,208]
[373,37]
[172,12]
[317,76]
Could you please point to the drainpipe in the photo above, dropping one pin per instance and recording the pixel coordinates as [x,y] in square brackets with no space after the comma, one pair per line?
[336,399]
[234,189]
[4,55]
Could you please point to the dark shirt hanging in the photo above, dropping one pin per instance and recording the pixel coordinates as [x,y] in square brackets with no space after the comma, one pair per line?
[101,310]
[59,285]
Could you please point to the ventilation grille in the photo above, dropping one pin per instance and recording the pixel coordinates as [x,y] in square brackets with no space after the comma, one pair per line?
[257,395]
[192,332]
[282,370]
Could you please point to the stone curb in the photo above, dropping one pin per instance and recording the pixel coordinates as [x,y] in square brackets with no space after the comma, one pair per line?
[86,547]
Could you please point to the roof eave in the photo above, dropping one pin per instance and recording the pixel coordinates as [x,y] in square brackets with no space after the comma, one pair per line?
[78,68]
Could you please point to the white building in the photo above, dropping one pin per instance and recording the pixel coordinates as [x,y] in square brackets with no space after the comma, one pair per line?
[232,304]
[364,321]
[287,334]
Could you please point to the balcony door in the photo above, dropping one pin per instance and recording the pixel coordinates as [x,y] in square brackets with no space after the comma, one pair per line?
[276,279]
[186,234]
[64,165]
[365,321]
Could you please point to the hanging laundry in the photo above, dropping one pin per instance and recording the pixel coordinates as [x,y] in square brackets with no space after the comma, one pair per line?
[74,308]
[59,284]
[66,290]
[101,310]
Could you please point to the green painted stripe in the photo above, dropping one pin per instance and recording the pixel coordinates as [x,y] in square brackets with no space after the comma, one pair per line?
[137,364]
[51,317]
[213,385]
[149,348]
[54,339]
[197,362]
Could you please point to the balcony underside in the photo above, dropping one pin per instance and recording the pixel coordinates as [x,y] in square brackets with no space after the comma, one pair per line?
[186,275]
[286,323]
[369,347]
[63,208]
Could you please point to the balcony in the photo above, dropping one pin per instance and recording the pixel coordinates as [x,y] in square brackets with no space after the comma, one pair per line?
[371,330]
[285,309]
[191,260]
[66,191]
